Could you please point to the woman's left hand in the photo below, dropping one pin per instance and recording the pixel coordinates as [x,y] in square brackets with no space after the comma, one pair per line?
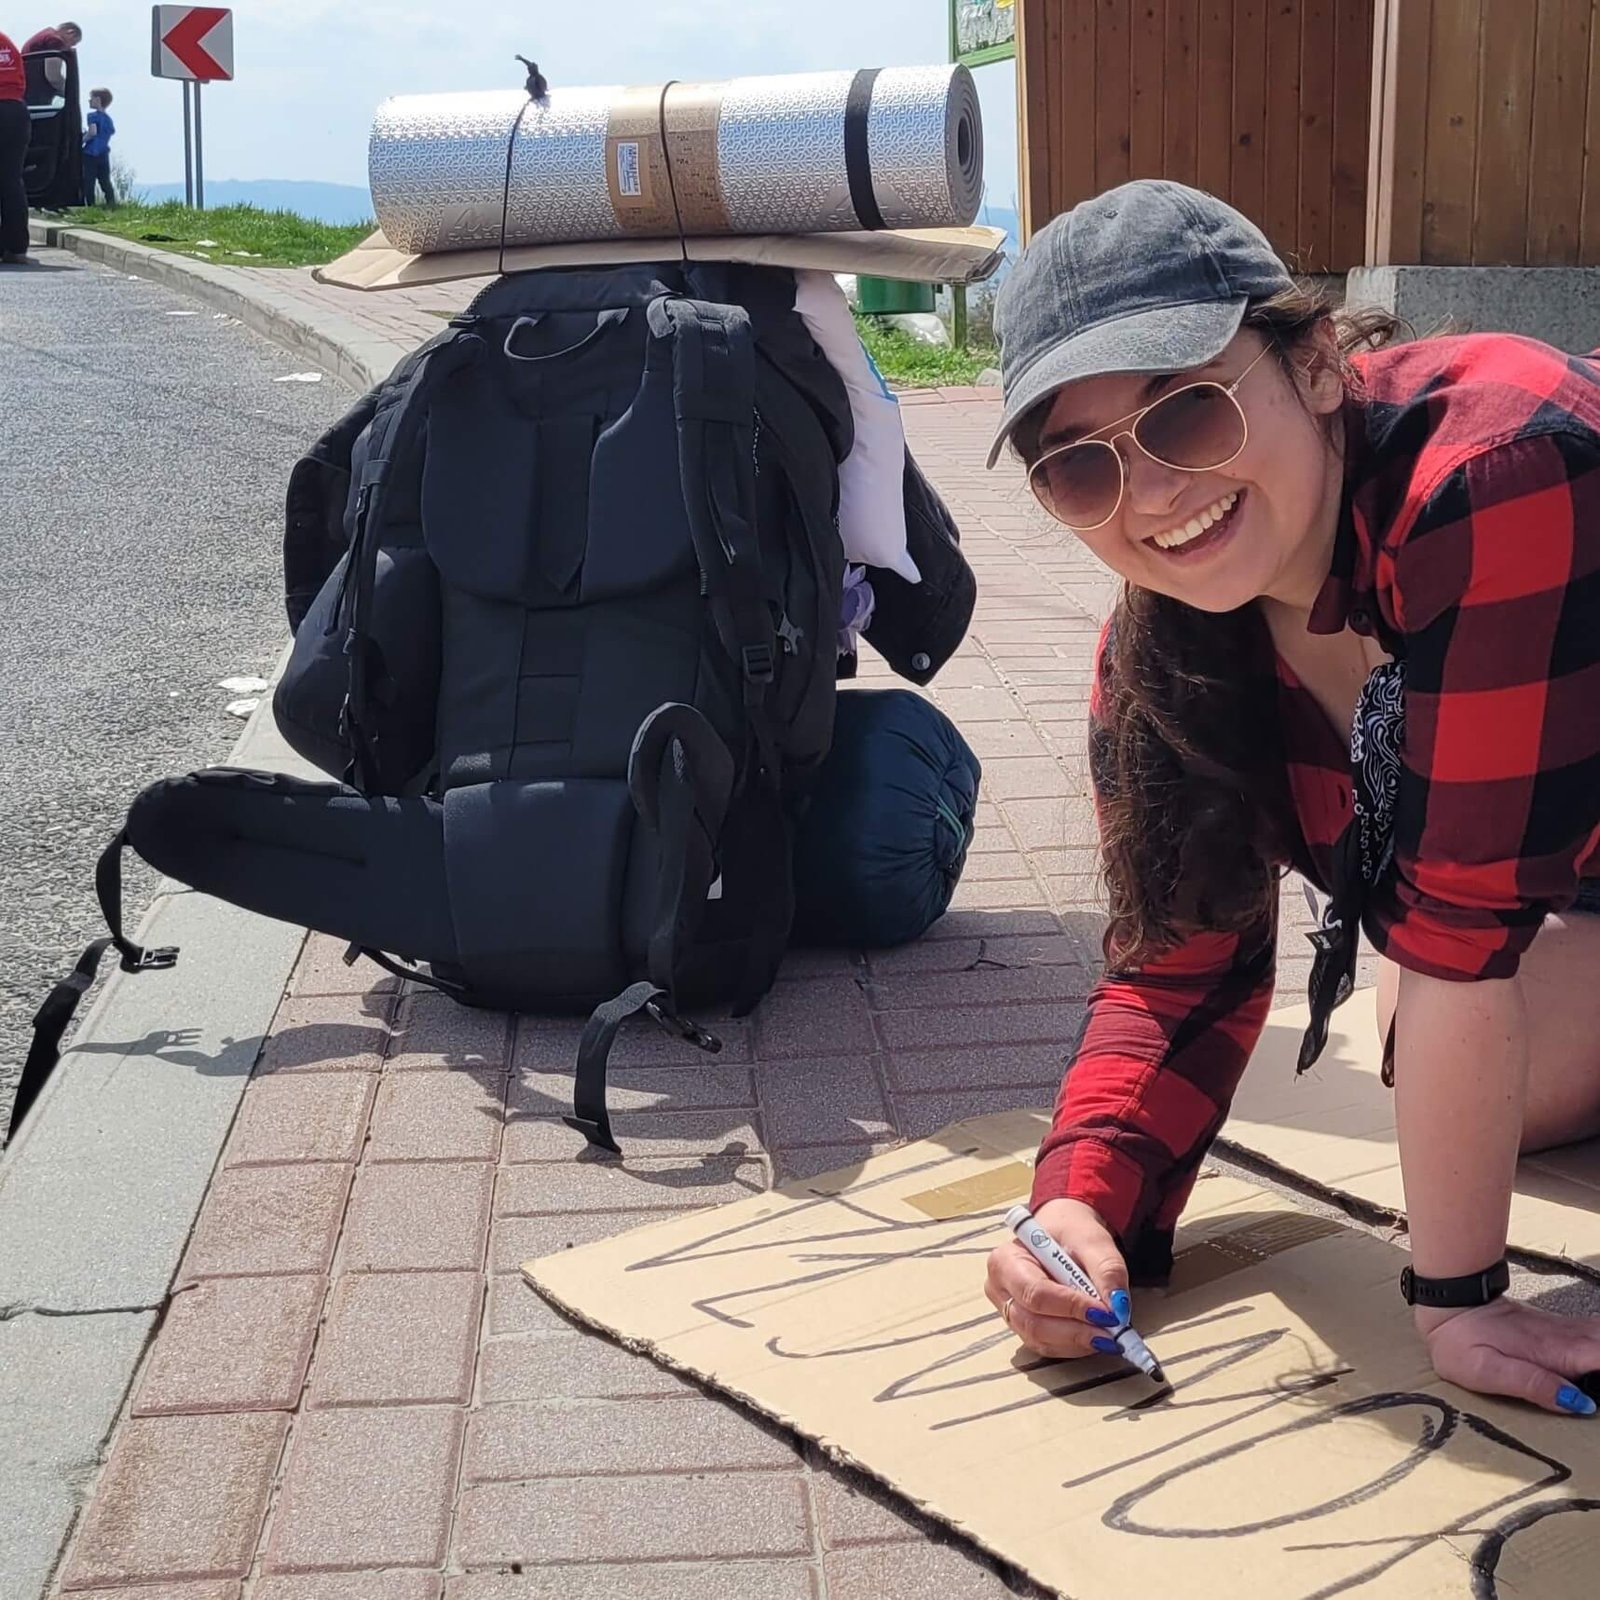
[1508,1348]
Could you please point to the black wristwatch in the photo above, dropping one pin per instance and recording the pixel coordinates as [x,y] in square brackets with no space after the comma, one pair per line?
[1473,1289]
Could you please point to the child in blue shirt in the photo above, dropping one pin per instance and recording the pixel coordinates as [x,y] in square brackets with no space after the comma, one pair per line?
[97,134]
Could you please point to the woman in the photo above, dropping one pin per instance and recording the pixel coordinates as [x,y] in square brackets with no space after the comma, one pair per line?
[1405,543]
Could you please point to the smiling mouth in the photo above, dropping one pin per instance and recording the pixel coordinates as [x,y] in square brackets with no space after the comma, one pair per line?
[1202,531]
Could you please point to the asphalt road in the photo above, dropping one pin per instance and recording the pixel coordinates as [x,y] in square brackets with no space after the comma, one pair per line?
[144,450]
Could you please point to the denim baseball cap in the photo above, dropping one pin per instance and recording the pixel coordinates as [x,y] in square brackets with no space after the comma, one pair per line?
[1150,276]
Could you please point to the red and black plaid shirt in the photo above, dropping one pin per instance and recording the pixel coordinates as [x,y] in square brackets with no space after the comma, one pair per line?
[1469,546]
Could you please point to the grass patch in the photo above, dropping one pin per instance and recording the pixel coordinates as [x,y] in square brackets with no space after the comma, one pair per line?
[910,365]
[241,236]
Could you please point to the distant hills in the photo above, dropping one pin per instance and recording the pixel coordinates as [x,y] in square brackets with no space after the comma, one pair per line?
[341,204]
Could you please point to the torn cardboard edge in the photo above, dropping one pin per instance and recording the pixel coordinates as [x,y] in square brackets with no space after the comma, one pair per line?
[1333,1128]
[921,255]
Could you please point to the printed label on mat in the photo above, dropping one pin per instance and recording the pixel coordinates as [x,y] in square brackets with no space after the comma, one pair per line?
[628,169]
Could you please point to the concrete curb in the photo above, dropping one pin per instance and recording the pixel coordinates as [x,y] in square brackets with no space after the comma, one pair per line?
[100,1188]
[341,348]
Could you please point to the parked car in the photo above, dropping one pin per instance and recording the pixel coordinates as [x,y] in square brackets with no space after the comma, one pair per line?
[53,170]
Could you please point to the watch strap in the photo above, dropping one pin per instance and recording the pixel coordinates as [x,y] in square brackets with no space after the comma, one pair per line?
[1471,1289]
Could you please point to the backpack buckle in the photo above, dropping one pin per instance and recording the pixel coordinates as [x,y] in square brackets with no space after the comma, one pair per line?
[153,960]
[758,663]
[683,1028]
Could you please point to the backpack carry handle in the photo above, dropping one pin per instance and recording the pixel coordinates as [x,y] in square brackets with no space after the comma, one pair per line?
[602,321]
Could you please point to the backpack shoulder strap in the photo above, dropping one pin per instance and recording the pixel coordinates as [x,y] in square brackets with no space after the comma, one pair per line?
[394,429]
[714,404]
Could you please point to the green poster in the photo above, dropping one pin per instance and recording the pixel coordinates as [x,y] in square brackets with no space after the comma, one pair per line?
[982,31]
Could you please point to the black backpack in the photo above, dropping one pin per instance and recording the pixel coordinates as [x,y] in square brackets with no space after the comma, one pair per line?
[565,593]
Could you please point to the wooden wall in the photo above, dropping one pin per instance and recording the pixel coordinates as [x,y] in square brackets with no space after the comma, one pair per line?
[1263,102]
[1487,117]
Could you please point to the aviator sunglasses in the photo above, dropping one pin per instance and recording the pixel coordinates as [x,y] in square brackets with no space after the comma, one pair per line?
[1197,428]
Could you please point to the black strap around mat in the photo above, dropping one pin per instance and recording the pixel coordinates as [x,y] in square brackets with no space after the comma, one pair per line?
[857,155]
[51,1021]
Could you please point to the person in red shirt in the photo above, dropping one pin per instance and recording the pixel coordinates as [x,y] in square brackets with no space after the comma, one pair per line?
[14,133]
[1319,531]
[52,70]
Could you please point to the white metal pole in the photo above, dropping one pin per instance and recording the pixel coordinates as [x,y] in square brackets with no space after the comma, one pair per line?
[199,157]
[188,151]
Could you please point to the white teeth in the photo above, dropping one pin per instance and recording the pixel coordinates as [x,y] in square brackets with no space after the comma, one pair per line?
[1197,524]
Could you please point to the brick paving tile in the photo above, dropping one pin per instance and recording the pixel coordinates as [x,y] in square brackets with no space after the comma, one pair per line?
[992,983]
[1019,1023]
[181,1497]
[321,970]
[972,955]
[660,1580]
[513,1442]
[823,1018]
[836,1100]
[978,893]
[233,1344]
[993,924]
[570,1366]
[432,1032]
[996,741]
[1014,1066]
[207,1590]
[994,866]
[301,1116]
[515,1306]
[644,1182]
[1085,859]
[851,1509]
[640,1133]
[260,1220]
[990,838]
[918,1115]
[686,1088]
[438,1116]
[970,708]
[656,1518]
[911,1572]
[1057,823]
[822,963]
[397,1338]
[366,1487]
[418,1216]
[518,1239]
[327,1033]
[347,1586]
[810,1161]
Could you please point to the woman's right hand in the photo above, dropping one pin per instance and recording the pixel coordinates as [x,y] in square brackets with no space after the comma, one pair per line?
[1048,1316]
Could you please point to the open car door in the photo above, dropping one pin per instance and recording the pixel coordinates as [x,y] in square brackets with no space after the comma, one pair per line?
[53,170]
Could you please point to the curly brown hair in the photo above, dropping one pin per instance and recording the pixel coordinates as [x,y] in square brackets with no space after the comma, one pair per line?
[1189,773]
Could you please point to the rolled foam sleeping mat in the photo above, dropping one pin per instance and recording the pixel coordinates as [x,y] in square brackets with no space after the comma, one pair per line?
[812,152]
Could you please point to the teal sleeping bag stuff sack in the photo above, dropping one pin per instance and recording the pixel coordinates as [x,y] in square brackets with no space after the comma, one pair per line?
[880,849]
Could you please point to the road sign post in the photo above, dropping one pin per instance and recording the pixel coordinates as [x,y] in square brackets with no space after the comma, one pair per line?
[193,44]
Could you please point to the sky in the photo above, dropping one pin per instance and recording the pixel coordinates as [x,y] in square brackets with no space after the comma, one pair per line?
[311,72]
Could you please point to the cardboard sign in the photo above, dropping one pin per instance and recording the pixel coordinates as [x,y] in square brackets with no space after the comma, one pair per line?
[1306,1451]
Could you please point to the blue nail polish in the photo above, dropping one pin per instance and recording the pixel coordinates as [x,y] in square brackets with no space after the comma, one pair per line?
[1100,1317]
[1108,1347]
[1122,1305]
[1573,1400]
